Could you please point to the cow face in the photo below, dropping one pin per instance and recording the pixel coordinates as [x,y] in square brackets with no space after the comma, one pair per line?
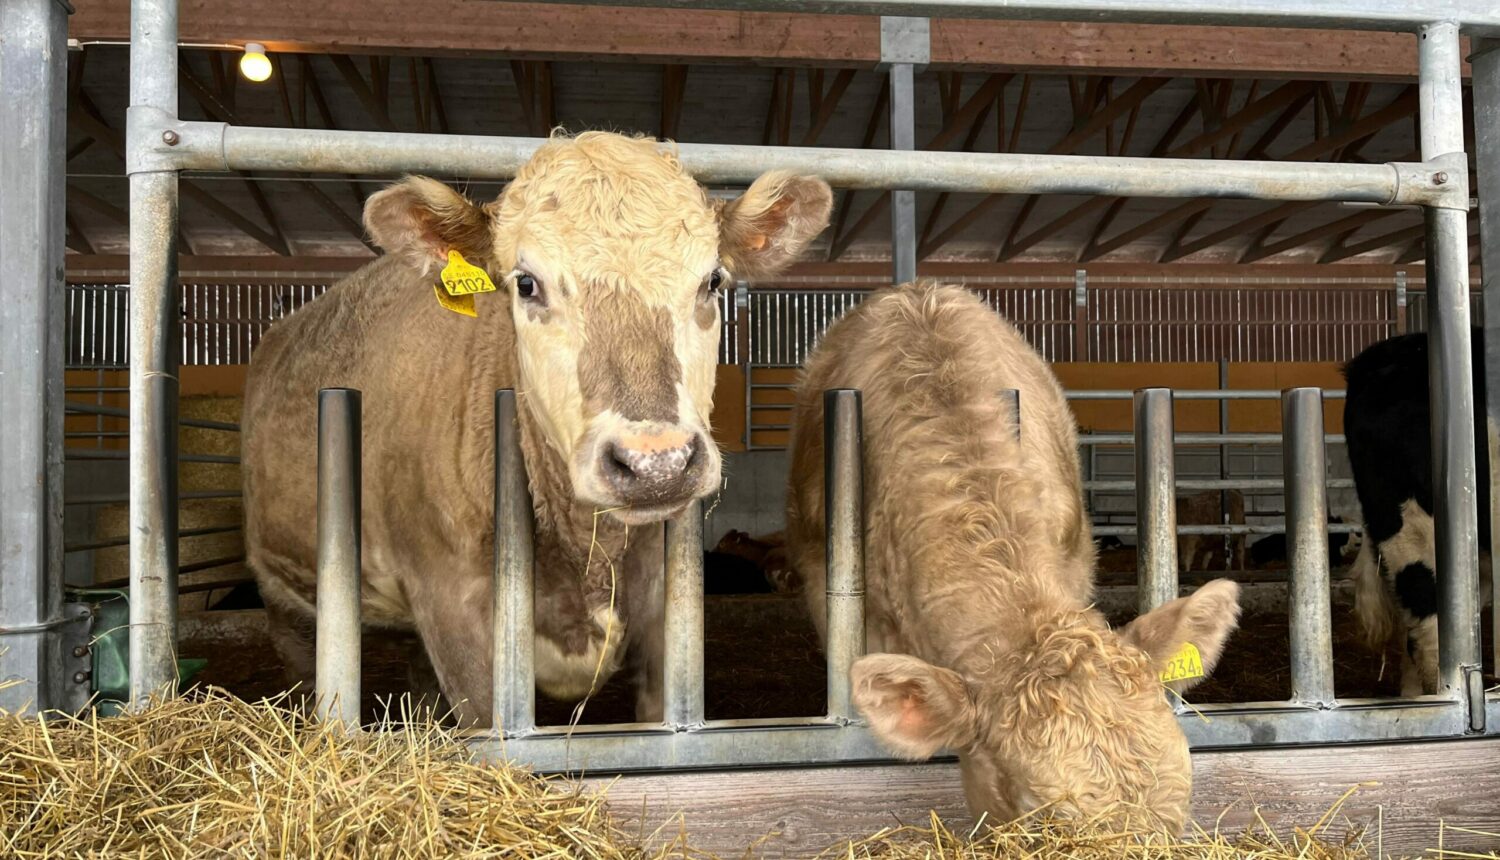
[611,260]
[1074,722]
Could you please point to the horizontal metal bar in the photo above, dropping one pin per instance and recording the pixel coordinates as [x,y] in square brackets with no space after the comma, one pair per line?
[815,741]
[1198,394]
[1481,16]
[97,389]
[114,454]
[1223,529]
[124,540]
[76,408]
[97,434]
[121,498]
[221,147]
[1202,439]
[1199,485]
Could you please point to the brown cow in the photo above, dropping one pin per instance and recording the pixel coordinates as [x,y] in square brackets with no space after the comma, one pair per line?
[609,258]
[979,566]
[1203,509]
[767,552]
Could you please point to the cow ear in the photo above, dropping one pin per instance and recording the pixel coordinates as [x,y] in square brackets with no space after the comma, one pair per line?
[1204,618]
[421,219]
[765,229]
[913,707]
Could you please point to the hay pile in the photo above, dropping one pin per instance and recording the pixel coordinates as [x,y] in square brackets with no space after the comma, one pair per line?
[213,776]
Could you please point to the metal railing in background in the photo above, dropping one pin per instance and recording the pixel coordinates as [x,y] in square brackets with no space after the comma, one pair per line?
[684,739]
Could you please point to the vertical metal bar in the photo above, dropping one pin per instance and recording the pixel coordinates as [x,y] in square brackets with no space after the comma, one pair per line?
[1228,540]
[33,320]
[337,689]
[683,673]
[1451,372]
[514,597]
[1486,69]
[903,203]
[154,344]
[1305,471]
[843,499]
[1155,499]
[1080,315]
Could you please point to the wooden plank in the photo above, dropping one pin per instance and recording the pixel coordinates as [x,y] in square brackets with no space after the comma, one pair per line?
[535,31]
[1406,790]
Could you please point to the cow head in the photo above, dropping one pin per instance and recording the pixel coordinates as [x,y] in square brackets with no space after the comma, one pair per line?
[611,258]
[1073,722]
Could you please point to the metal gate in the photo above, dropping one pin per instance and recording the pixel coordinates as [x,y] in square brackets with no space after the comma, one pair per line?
[161,145]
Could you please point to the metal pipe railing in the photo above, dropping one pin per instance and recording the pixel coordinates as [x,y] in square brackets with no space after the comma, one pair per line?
[153,358]
[1244,485]
[337,685]
[1309,607]
[1201,438]
[1197,394]
[74,407]
[220,147]
[123,540]
[513,667]
[682,671]
[1010,409]
[1155,500]
[843,501]
[1455,514]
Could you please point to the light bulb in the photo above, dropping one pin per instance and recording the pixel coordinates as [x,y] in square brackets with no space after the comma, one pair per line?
[255,65]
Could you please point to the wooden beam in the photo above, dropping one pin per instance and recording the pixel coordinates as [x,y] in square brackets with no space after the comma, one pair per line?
[365,91]
[1069,142]
[827,103]
[76,239]
[542,31]
[958,122]
[1404,792]
[435,95]
[846,196]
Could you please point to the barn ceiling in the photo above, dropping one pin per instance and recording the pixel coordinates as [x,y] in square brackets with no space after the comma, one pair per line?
[1018,111]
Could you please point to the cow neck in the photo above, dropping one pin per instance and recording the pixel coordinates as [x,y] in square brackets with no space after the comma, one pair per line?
[565,528]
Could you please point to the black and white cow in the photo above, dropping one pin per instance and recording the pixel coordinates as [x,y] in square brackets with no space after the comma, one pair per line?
[1387,424]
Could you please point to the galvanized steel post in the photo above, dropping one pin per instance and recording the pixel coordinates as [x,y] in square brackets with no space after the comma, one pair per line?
[1486,67]
[682,676]
[1305,470]
[33,110]
[904,45]
[513,666]
[337,688]
[1155,499]
[1451,372]
[154,347]
[843,501]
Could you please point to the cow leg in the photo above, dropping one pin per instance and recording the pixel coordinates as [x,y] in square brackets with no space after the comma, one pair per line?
[426,693]
[1373,609]
[1409,557]
[452,615]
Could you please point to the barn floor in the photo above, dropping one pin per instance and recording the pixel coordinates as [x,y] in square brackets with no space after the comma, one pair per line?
[763,660]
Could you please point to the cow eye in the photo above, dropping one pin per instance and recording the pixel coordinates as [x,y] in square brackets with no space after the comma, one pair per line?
[713,283]
[527,287]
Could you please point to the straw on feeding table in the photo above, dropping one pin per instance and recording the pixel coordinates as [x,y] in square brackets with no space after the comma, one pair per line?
[212,776]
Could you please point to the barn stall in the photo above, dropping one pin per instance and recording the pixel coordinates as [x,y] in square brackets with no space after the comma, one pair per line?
[1227,335]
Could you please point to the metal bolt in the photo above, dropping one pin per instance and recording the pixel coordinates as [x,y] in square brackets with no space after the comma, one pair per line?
[81,651]
[1439,178]
[170,137]
[80,677]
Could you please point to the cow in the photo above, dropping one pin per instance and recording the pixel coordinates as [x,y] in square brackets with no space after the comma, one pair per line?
[1273,549]
[1203,509]
[609,259]
[1387,425]
[981,633]
[767,552]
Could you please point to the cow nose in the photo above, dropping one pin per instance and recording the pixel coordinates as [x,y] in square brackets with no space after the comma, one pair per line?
[653,468]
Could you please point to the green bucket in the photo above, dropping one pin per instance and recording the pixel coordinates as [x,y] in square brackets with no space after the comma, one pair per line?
[109,647]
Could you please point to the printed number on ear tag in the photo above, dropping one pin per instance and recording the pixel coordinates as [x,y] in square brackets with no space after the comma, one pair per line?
[462,278]
[1185,664]
[458,304]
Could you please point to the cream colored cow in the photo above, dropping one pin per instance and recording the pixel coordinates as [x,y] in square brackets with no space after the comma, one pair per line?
[979,569]
[609,259]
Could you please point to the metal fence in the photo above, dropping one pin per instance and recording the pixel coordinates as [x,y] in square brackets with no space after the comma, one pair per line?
[160,145]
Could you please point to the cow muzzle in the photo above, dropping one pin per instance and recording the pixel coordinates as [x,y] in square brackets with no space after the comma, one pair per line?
[647,471]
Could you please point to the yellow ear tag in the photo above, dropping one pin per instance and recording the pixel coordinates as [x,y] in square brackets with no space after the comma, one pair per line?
[458,304]
[462,278]
[1185,664]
